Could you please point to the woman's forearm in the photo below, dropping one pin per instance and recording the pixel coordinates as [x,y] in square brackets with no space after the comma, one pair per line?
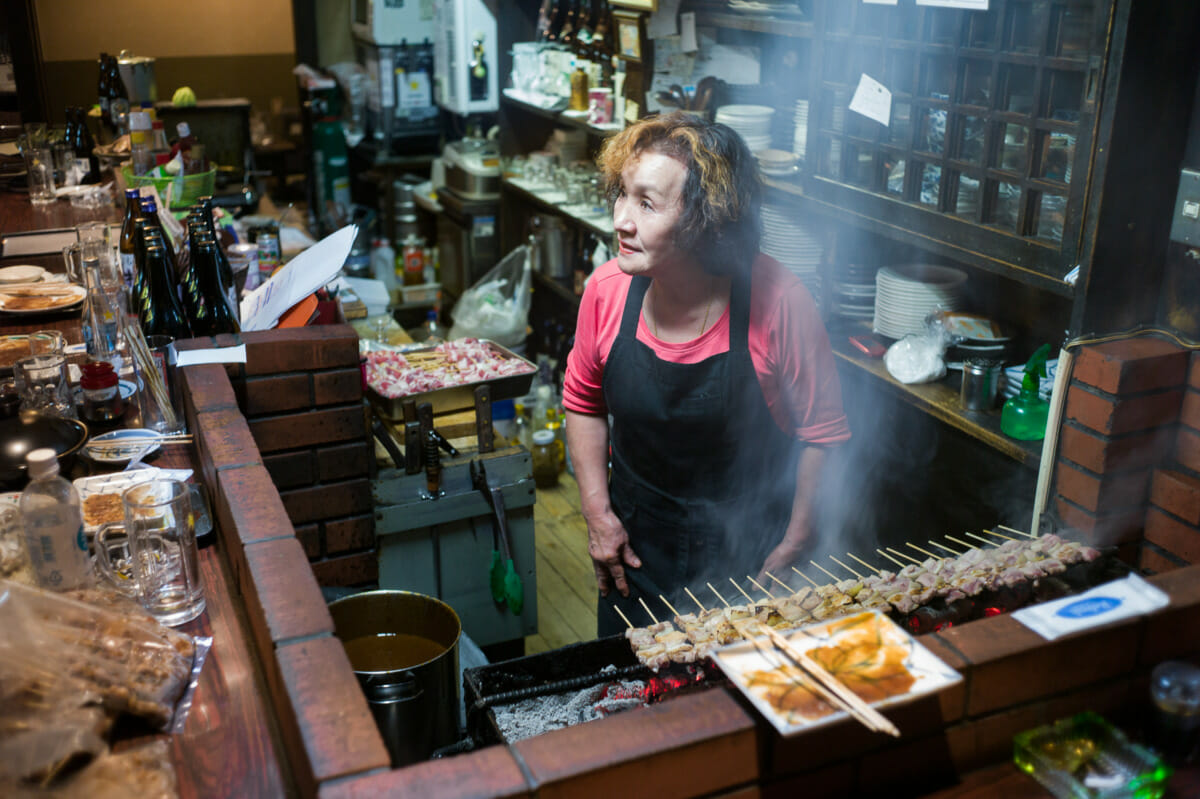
[587,439]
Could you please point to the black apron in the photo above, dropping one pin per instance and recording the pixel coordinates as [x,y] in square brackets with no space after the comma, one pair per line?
[702,477]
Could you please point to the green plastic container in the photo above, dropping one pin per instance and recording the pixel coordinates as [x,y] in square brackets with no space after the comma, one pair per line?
[1024,416]
[186,190]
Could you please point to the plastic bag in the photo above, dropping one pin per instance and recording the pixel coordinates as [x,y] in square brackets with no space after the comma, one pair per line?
[497,307]
[919,358]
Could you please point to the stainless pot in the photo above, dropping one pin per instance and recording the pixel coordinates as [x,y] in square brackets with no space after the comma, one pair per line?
[137,71]
[404,650]
[556,245]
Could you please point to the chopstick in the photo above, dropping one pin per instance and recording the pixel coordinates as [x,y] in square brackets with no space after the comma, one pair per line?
[126,442]
[830,688]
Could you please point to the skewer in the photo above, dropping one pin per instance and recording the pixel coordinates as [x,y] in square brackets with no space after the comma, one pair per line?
[718,593]
[847,568]
[960,541]
[953,552]
[811,581]
[924,551]
[786,587]
[889,557]
[749,598]
[624,618]
[901,554]
[863,712]
[1018,532]
[647,609]
[674,612]
[828,573]
[757,585]
[1000,535]
[863,562]
[697,601]
[984,540]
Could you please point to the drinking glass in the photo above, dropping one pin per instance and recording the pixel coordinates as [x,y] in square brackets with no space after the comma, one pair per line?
[44,385]
[162,546]
[39,167]
[166,420]
[46,342]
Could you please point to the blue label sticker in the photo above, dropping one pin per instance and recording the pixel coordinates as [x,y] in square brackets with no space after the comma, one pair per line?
[81,539]
[1089,607]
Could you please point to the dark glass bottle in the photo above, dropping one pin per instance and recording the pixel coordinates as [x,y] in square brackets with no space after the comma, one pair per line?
[162,314]
[118,97]
[566,34]
[225,268]
[213,314]
[477,82]
[126,246]
[85,147]
[70,133]
[102,91]
[189,285]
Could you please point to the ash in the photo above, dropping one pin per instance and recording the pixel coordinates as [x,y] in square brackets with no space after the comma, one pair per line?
[542,714]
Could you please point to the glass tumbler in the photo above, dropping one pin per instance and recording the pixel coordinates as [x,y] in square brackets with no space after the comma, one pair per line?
[162,544]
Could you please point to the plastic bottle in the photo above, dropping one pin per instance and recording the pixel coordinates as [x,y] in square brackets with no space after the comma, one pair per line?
[139,143]
[434,331]
[53,524]
[383,263]
[522,434]
[158,142]
[1024,416]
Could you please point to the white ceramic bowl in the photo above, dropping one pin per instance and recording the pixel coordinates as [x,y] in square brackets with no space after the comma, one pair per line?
[21,274]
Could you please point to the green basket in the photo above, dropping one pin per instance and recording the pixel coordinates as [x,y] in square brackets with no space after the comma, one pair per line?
[194,186]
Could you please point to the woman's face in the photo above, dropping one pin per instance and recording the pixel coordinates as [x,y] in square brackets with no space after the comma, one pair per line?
[647,209]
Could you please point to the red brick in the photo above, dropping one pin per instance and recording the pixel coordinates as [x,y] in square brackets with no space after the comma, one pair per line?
[337,386]
[1101,529]
[1194,372]
[1104,414]
[248,504]
[1189,413]
[1173,535]
[326,714]
[277,394]
[309,536]
[1187,448]
[1152,560]
[206,387]
[1131,365]
[300,349]
[283,600]
[909,767]
[293,431]
[489,772]
[1177,493]
[830,782]
[1100,453]
[343,535]
[223,441]
[291,469]
[1174,631]
[354,569]
[328,501]
[344,461]
[1105,493]
[693,745]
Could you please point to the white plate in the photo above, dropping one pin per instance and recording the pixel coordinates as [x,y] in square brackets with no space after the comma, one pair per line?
[24,273]
[64,295]
[738,660]
[116,455]
[117,482]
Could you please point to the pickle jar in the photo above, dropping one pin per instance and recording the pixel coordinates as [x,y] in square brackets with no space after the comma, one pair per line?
[545,459]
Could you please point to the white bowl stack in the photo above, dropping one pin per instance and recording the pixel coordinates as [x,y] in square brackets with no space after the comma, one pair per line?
[906,294]
[752,122]
[789,241]
[800,136]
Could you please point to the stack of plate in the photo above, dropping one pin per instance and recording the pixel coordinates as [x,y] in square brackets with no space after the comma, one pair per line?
[854,292]
[778,163]
[753,122]
[789,241]
[905,295]
[800,136]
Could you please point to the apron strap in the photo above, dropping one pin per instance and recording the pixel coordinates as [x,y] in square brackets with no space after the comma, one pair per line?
[633,306]
[739,312]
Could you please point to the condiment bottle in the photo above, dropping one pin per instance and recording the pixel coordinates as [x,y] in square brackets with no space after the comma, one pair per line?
[414,261]
[545,459]
[579,89]
[101,392]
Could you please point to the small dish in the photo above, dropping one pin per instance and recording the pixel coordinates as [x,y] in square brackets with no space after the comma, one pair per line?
[25,273]
[117,482]
[117,455]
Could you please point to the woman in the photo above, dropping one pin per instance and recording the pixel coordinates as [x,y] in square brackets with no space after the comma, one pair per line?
[713,364]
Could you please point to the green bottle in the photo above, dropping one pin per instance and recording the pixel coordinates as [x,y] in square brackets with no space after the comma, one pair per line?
[1024,416]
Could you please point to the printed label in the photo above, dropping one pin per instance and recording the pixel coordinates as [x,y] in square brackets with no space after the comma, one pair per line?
[1093,606]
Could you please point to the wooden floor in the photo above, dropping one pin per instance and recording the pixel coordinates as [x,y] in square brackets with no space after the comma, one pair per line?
[566,584]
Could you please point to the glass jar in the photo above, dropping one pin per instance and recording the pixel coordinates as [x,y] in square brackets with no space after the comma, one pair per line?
[545,459]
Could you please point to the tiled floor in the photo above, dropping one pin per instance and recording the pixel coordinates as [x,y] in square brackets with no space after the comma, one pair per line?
[565,581]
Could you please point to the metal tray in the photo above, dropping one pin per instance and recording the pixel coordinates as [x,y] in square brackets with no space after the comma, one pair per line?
[458,398]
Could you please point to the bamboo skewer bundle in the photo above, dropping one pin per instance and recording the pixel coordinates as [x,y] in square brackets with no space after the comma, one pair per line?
[148,369]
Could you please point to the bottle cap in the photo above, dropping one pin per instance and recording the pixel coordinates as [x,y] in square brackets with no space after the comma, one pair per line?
[42,463]
[183,130]
[543,437]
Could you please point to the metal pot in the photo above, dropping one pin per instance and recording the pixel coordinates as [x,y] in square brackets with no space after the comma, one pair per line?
[137,71]
[415,704]
[980,384]
[556,246]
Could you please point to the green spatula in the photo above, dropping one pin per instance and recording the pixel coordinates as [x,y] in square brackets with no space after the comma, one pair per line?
[514,589]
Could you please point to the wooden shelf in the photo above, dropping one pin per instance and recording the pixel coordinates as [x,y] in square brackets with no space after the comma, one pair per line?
[558,117]
[589,224]
[939,399]
[790,26]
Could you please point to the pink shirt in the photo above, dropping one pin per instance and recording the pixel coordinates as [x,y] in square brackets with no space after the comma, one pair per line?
[788,345]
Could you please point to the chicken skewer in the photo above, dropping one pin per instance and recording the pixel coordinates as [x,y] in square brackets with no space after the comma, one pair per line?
[863,562]
[847,568]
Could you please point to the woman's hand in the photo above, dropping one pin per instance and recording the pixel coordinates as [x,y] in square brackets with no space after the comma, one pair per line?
[780,560]
[608,544]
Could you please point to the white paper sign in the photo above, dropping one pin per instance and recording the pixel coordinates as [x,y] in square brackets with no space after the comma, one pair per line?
[970,5]
[1103,604]
[300,277]
[662,21]
[873,100]
[211,355]
[687,32]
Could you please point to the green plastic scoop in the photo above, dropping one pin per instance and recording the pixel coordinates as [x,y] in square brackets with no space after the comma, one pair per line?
[514,588]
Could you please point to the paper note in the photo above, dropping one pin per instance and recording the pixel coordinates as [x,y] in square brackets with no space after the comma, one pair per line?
[687,32]
[873,100]
[662,21]
[300,277]
[881,2]
[1119,599]
[970,5]
[211,355]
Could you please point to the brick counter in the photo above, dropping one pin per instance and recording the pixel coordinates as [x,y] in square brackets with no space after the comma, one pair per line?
[708,743]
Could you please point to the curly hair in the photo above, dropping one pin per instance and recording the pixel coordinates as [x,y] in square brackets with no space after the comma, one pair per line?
[722,194]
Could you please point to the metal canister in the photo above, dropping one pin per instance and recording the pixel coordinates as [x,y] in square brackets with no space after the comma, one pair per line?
[270,256]
[243,259]
[980,384]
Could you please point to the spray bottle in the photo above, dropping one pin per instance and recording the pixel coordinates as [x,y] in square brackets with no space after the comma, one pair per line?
[1024,416]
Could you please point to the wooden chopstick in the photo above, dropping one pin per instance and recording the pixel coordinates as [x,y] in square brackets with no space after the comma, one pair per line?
[830,685]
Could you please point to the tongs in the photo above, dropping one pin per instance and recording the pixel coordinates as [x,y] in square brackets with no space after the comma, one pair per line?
[506,585]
